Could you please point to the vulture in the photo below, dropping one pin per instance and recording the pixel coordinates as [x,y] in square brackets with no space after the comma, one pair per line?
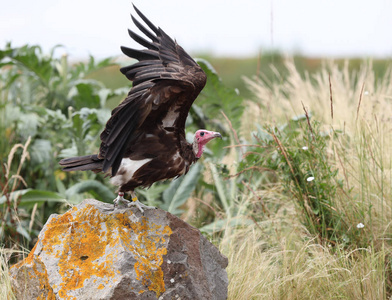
[144,140]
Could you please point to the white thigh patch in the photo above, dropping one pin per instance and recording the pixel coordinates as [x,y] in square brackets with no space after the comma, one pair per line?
[127,168]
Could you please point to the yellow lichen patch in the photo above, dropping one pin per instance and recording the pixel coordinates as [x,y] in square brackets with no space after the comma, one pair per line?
[44,286]
[28,260]
[83,243]
[148,247]
[56,230]
[36,271]
[167,230]
[86,242]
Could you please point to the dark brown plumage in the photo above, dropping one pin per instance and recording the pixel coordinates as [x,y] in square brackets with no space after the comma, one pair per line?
[144,140]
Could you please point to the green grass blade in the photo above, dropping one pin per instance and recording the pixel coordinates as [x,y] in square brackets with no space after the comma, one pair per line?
[182,191]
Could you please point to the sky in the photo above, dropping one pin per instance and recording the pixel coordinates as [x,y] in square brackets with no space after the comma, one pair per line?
[327,28]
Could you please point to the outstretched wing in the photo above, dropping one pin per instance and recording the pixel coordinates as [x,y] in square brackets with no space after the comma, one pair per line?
[166,81]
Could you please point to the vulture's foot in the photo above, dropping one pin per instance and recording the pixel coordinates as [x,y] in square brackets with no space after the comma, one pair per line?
[120,200]
[138,204]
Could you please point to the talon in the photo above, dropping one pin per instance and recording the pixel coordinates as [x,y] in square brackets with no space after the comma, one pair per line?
[120,199]
[138,204]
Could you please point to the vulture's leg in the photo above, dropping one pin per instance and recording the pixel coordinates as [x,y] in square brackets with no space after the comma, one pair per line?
[138,204]
[120,199]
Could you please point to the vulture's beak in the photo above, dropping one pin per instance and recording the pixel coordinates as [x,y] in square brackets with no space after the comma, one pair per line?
[217,135]
[208,136]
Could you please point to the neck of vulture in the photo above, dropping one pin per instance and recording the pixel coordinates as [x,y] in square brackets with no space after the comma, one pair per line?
[198,148]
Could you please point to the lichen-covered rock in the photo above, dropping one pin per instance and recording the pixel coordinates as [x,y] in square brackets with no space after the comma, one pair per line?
[94,251]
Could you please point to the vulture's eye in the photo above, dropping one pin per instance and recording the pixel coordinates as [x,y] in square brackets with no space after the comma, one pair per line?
[202,133]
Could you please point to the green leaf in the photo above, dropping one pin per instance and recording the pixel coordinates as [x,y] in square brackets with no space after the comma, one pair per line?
[221,189]
[41,151]
[97,189]
[33,196]
[86,96]
[33,61]
[153,194]
[23,232]
[14,195]
[60,187]
[181,189]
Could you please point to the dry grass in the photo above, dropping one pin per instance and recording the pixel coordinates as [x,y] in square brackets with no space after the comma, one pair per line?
[278,258]
[292,265]
[282,99]
[5,280]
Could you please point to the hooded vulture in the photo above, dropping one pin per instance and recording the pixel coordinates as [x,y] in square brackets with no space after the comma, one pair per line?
[144,140]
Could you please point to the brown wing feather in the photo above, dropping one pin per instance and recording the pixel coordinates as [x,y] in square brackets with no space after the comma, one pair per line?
[166,81]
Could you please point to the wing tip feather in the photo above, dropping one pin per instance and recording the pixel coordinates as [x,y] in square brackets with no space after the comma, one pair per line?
[146,20]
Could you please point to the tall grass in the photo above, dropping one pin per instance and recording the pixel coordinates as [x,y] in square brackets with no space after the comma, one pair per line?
[292,265]
[356,95]
[330,233]
[5,279]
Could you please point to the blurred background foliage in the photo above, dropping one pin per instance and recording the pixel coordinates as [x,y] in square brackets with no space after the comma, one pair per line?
[304,161]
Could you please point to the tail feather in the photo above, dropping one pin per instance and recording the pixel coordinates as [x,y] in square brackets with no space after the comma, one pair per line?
[82,163]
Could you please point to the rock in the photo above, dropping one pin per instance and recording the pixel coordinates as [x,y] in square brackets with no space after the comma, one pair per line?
[94,251]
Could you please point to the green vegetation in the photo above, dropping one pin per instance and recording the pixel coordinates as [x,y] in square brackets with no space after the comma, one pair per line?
[297,195]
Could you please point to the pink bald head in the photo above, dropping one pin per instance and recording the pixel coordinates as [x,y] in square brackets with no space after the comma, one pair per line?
[202,137]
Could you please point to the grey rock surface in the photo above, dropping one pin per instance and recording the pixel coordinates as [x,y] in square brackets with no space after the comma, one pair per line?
[94,251]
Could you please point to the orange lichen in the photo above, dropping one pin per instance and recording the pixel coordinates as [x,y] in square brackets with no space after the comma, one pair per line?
[38,272]
[44,286]
[28,260]
[82,244]
[57,229]
[85,242]
[148,248]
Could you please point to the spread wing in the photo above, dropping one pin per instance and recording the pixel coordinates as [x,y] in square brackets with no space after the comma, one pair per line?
[166,81]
